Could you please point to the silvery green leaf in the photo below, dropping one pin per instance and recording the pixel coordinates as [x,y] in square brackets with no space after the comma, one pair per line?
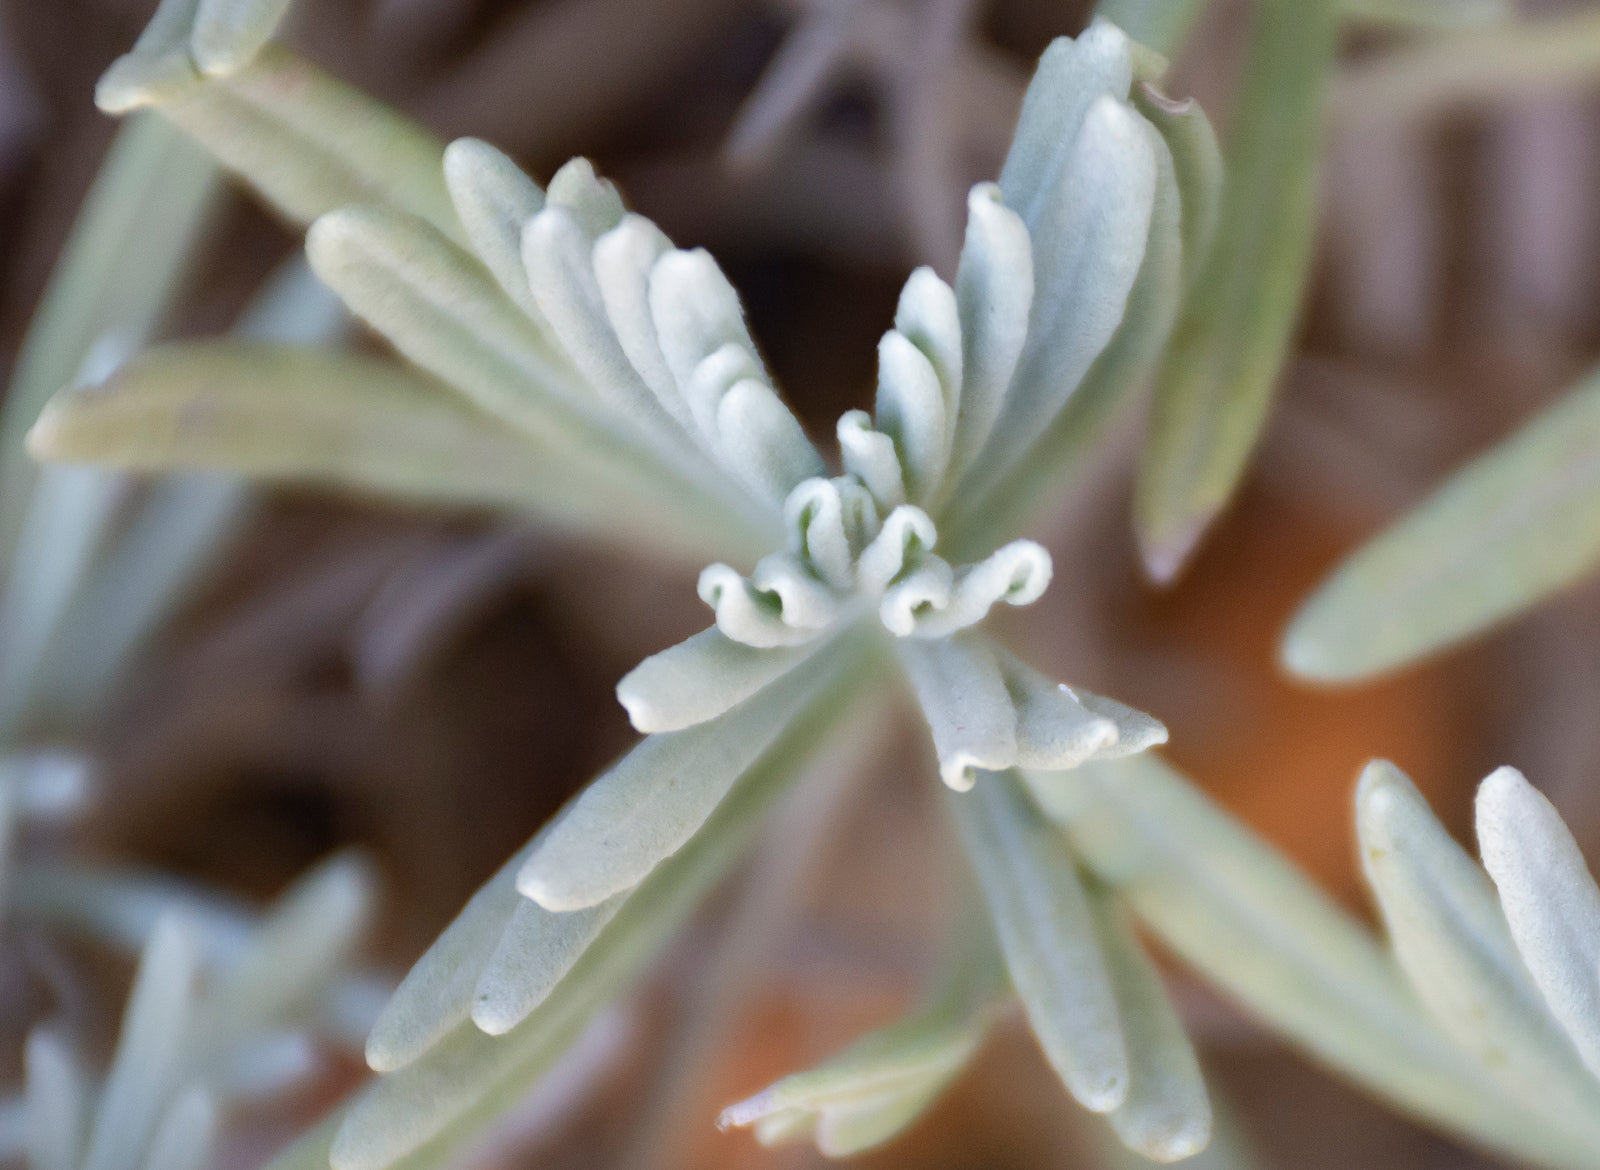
[1550,902]
[1089,239]
[871,1091]
[1136,731]
[305,939]
[536,950]
[923,587]
[1041,917]
[1166,1115]
[1230,906]
[623,260]
[122,262]
[435,997]
[593,201]
[647,805]
[713,376]
[1163,25]
[310,144]
[415,1119]
[57,1103]
[158,67]
[1216,383]
[696,313]
[1122,370]
[1054,730]
[994,292]
[558,256]
[814,515]
[155,1031]
[869,455]
[699,679]
[69,515]
[1017,574]
[340,419]
[493,199]
[1196,170]
[1071,76]
[929,317]
[1511,528]
[437,307]
[906,534]
[911,410]
[762,443]
[963,698]
[228,33]
[183,1138]
[1452,942]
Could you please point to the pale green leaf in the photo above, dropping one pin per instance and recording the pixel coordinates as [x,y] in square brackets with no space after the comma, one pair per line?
[155,1032]
[128,251]
[650,803]
[183,1138]
[1166,1115]
[536,950]
[58,1097]
[1054,729]
[1089,242]
[911,409]
[994,293]
[1550,902]
[1229,905]
[228,33]
[493,199]
[963,697]
[1196,171]
[436,995]
[309,142]
[699,679]
[1511,528]
[1451,939]
[158,66]
[416,1118]
[1429,13]
[1041,917]
[1216,383]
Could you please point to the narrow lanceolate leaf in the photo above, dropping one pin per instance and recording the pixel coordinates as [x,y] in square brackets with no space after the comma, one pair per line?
[1228,904]
[1430,13]
[57,1103]
[227,33]
[416,1118]
[155,1030]
[183,1138]
[1216,384]
[649,803]
[1167,1113]
[1508,530]
[963,697]
[1451,940]
[1196,170]
[1054,729]
[699,679]
[493,199]
[127,253]
[994,293]
[1088,246]
[308,142]
[1047,935]
[436,995]
[536,950]
[874,1089]
[1550,902]
[301,946]
[1123,368]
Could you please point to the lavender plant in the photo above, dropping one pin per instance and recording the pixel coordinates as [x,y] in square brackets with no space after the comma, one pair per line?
[567,359]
